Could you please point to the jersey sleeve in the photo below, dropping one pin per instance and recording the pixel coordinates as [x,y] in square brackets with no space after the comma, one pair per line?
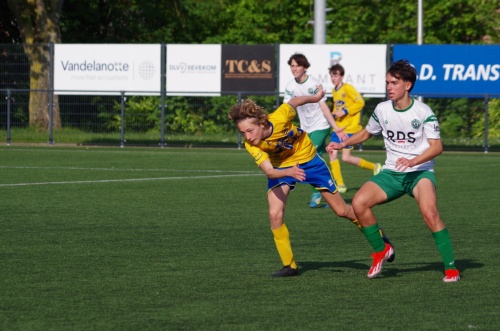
[373,126]
[357,100]
[431,127]
[285,112]
[258,154]
[289,93]
[313,84]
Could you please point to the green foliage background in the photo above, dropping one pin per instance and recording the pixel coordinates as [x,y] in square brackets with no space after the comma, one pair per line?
[279,21]
[273,22]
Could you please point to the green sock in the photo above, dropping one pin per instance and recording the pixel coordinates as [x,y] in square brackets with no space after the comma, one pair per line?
[443,243]
[372,234]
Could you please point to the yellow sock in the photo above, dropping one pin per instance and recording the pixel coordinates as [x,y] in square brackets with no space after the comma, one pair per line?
[337,174]
[282,241]
[356,222]
[366,165]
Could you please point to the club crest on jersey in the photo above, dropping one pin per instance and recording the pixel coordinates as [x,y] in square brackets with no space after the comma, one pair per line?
[415,124]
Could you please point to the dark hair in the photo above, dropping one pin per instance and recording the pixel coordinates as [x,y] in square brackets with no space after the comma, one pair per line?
[337,67]
[403,70]
[301,60]
[247,109]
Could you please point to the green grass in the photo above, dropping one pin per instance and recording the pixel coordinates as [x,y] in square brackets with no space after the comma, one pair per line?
[151,138]
[178,239]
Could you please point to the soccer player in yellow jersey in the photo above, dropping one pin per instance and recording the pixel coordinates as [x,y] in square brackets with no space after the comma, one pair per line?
[347,106]
[285,153]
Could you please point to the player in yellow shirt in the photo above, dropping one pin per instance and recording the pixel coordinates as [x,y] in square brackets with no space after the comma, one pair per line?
[347,106]
[285,153]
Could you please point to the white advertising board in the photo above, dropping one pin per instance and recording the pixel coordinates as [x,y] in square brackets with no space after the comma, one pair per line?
[194,68]
[107,69]
[365,65]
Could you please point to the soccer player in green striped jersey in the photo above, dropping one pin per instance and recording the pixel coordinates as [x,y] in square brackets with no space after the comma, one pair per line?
[412,141]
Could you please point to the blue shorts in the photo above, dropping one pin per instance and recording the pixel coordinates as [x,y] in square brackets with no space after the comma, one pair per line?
[317,174]
[335,139]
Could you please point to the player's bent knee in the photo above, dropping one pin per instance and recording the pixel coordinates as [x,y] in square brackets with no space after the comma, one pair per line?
[359,202]
[275,216]
[432,218]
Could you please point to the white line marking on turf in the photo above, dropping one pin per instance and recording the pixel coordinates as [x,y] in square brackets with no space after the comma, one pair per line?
[124,180]
[127,169]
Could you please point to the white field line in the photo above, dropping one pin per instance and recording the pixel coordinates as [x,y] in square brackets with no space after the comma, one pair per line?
[226,174]
[129,169]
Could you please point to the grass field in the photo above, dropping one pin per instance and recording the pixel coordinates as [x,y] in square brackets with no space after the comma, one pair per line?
[178,239]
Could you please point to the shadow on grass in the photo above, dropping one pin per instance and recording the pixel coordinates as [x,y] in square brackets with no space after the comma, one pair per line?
[390,270]
[462,265]
[333,266]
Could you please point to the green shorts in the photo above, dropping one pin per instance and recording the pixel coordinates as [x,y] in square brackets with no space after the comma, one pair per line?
[318,139]
[396,184]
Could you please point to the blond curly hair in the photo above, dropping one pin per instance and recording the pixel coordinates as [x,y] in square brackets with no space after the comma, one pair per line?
[248,109]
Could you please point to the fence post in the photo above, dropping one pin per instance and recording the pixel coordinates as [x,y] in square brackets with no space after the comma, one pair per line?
[277,99]
[8,116]
[486,102]
[51,93]
[163,62]
[240,101]
[122,120]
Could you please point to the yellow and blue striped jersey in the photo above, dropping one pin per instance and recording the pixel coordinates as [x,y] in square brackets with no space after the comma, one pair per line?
[287,144]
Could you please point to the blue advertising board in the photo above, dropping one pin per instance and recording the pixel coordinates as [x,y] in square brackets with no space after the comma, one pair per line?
[453,70]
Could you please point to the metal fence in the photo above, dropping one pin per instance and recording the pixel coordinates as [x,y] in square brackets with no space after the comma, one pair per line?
[175,120]
[124,119]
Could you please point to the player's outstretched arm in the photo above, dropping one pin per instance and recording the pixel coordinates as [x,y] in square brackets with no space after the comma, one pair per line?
[302,100]
[294,171]
[329,117]
[357,138]
[333,147]
[435,148]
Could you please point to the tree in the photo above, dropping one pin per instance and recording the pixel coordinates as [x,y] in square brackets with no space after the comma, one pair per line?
[8,28]
[38,24]
[136,21]
[237,22]
[494,121]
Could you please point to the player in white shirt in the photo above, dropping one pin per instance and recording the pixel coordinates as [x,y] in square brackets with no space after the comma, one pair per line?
[315,118]
[412,140]
[406,132]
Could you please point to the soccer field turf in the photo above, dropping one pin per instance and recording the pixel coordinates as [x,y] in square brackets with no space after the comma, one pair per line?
[179,239]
